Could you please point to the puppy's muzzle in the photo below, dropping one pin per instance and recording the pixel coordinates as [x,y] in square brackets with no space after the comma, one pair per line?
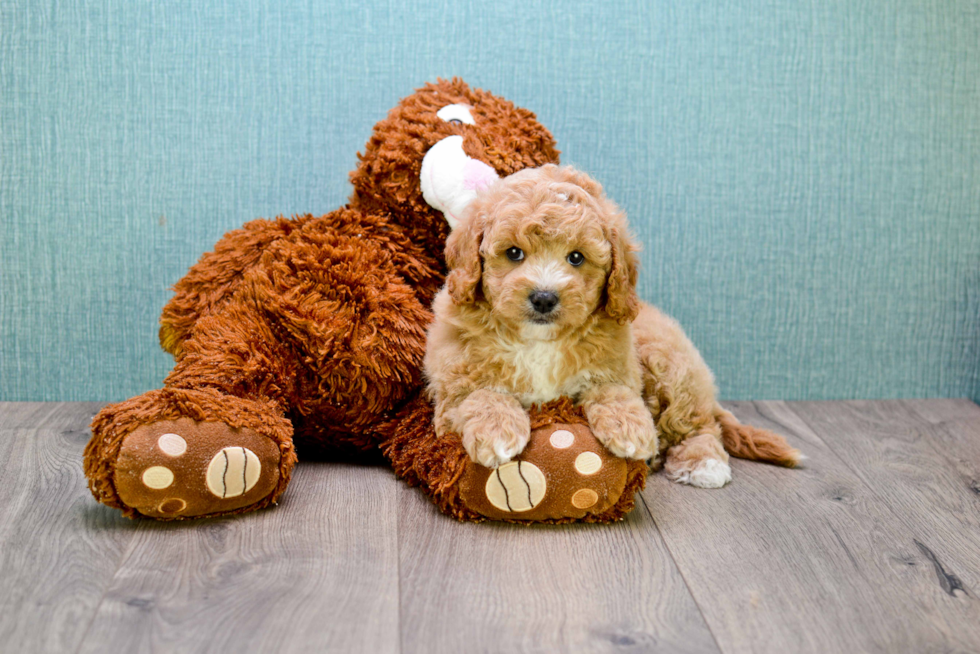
[544,302]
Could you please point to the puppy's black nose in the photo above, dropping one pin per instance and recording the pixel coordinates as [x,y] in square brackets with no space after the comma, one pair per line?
[543,301]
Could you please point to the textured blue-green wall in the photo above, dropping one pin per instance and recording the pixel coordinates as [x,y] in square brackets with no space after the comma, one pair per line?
[804,175]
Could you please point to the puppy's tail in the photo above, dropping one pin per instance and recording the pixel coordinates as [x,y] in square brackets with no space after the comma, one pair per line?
[747,442]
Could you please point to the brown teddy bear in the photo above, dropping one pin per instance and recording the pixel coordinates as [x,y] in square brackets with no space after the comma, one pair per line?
[312,331]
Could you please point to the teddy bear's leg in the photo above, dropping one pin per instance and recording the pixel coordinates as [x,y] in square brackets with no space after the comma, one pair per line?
[214,280]
[214,440]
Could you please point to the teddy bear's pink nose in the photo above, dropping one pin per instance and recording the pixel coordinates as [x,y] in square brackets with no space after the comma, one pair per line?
[478,175]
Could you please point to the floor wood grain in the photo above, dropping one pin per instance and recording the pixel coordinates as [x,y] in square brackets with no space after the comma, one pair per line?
[511,588]
[317,573]
[58,548]
[873,547]
[809,560]
[925,473]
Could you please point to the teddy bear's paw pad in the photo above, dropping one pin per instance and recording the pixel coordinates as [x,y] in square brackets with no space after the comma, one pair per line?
[516,486]
[233,472]
[564,472]
[183,468]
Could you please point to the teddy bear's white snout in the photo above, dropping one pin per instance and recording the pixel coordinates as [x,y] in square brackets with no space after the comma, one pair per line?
[450,179]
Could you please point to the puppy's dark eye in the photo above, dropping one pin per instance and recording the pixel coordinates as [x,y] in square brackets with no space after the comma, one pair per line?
[575,258]
[455,121]
[515,254]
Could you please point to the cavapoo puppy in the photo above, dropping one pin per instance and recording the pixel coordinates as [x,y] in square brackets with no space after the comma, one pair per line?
[540,302]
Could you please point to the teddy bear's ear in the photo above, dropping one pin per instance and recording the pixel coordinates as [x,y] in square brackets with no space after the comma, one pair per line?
[463,259]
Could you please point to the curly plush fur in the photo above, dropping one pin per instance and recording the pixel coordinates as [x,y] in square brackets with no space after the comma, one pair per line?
[313,328]
[494,349]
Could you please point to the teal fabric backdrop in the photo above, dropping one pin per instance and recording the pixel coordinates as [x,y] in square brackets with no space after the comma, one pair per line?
[804,175]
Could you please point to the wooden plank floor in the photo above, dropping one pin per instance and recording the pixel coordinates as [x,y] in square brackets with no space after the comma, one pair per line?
[874,546]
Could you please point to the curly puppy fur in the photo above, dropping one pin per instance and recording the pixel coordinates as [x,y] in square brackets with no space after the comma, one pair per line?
[494,350]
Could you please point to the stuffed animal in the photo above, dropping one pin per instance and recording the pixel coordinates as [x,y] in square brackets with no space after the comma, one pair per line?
[308,334]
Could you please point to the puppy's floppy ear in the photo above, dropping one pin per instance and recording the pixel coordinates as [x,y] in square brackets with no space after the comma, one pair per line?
[622,303]
[464,261]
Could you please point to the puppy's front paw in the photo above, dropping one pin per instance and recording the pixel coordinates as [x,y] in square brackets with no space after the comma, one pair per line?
[494,439]
[626,428]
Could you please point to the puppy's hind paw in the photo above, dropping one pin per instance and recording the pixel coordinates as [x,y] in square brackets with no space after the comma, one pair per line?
[706,473]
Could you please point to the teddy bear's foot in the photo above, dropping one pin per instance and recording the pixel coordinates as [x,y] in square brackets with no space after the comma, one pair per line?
[182,468]
[179,453]
[564,474]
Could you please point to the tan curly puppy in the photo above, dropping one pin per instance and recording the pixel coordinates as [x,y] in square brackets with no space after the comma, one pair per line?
[540,302]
